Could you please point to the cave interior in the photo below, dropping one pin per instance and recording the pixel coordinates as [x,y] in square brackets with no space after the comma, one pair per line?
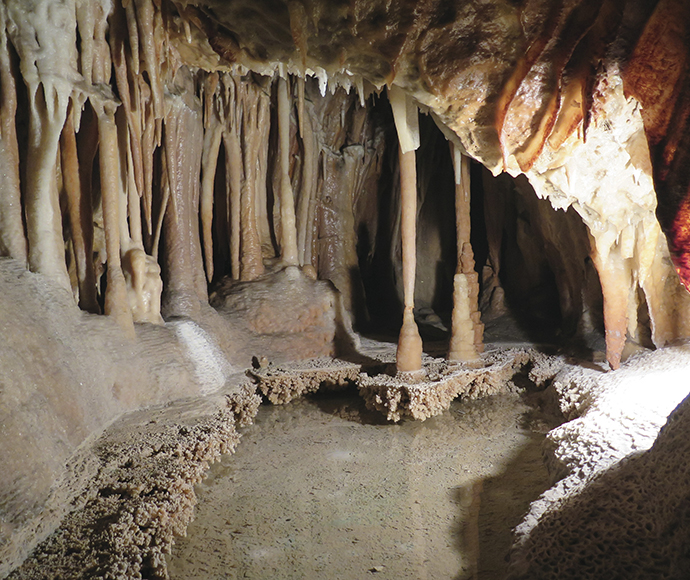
[210,204]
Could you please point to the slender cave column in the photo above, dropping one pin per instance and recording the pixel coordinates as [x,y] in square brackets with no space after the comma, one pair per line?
[467,329]
[307,189]
[213,133]
[116,300]
[43,217]
[409,353]
[48,64]
[233,171]
[288,245]
[251,260]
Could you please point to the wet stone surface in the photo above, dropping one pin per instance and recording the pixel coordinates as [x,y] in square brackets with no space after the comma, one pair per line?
[325,488]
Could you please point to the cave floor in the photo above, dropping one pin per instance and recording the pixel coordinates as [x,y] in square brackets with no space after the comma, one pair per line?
[324,488]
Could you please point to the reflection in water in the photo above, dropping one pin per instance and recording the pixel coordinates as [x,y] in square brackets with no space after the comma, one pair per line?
[322,489]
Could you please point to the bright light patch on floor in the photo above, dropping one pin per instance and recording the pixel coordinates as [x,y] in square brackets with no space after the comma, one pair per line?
[646,399]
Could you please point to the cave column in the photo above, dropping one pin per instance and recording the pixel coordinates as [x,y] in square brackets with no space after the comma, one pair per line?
[81,216]
[615,279]
[254,116]
[47,63]
[409,353]
[116,303]
[185,288]
[233,167]
[467,329]
[288,245]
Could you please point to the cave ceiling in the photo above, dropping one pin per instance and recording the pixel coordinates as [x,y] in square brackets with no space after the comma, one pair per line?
[513,79]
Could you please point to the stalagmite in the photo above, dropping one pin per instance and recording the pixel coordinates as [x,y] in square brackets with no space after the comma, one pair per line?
[466,329]
[116,302]
[144,285]
[12,240]
[289,254]
[80,213]
[409,354]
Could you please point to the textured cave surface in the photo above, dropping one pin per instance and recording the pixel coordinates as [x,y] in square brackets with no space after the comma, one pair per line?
[203,203]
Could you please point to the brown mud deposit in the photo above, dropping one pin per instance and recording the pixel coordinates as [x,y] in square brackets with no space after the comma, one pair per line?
[324,488]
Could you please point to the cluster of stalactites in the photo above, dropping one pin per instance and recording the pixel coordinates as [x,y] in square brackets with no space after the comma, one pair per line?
[87,152]
[136,169]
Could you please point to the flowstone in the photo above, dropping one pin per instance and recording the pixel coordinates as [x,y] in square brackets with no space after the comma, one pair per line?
[148,463]
[283,383]
[429,393]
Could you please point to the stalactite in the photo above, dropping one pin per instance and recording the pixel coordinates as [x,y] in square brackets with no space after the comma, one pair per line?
[12,239]
[409,354]
[288,245]
[466,331]
[148,44]
[133,34]
[116,300]
[94,52]
[80,214]
[123,183]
